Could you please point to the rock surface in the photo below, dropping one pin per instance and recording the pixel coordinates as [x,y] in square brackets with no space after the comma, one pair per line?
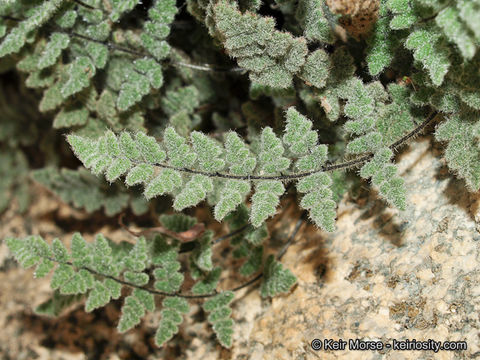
[383,275]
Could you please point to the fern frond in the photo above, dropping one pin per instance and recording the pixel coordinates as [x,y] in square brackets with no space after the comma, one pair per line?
[17,38]
[14,185]
[318,197]
[272,57]
[173,309]
[80,271]
[138,256]
[161,15]
[468,12]
[157,104]
[139,79]
[253,262]
[428,50]
[58,42]
[206,283]
[177,222]
[383,175]
[179,105]
[462,152]
[121,7]
[134,309]
[456,31]
[233,194]
[164,256]
[404,14]
[54,306]
[270,156]
[375,136]
[276,279]
[317,27]
[342,70]
[202,254]
[195,191]
[80,188]
[316,69]
[219,316]
[265,201]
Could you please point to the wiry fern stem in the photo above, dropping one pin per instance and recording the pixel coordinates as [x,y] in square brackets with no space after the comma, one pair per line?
[188,296]
[132,285]
[325,168]
[138,54]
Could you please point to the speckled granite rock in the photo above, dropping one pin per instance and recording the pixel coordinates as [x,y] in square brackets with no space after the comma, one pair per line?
[382,275]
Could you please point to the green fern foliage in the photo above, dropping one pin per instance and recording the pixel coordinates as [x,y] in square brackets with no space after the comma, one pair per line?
[13,184]
[180,105]
[372,136]
[434,26]
[276,279]
[202,255]
[121,7]
[238,156]
[265,201]
[428,51]
[253,262]
[139,79]
[271,149]
[167,275]
[383,41]
[342,70]
[75,272]
[206,282]
[161,14]
[457,31]
[80,188]
[134,309]
[177,222]
[384,175]
[179,152]
[58,42]
[17,38]
[313,13]
[138,256]
[67,66]
[57,304]
[195,191]
[315,70]
[98,297]
[173,309]
[219,316]
[467,12]
[272,57]
[80,73]
[248,244]
[462,153]
[404,14]
[119,155]
[233,194]
[302,141]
